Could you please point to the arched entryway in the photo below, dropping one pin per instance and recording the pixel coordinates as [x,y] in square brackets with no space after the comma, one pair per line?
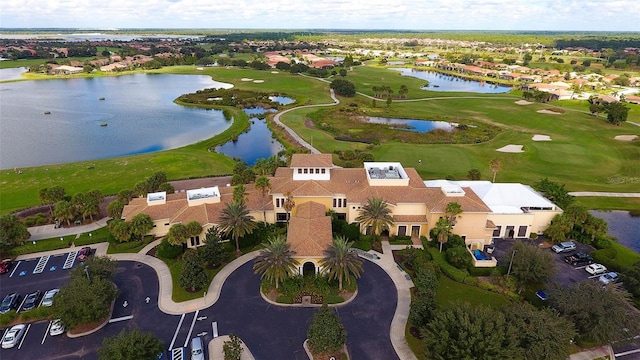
[309,268]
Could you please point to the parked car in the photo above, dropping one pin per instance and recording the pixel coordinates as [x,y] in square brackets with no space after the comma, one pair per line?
[10,302]
[32,300]
[47,300]
[197,349]
[564,247]
[84,253]
[56,328]
[609,278]
[578,259]
[13,336]
[596,269]
[5,266]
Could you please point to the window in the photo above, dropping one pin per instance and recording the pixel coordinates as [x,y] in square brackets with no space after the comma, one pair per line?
[496,231]
[335,202]
[522,231]
[195,241]
[281,217]
[167,224]
[317,171]
[402,230]
[279,202]
[306,171]
[322,171]
[341,216]
[299,171]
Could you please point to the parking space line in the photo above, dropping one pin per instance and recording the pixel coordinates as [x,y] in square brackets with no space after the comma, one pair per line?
[123,318]
[46,332]
[5,332]
[15,268]
[41,264]
[214,329]
[71,258]
[176,333]
[627,352]
[21,303]
[24,336]
[193,323]
[177,353]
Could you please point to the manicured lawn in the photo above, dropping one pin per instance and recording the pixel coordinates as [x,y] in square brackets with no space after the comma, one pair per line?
[42,245]
[450,293]
[179,293]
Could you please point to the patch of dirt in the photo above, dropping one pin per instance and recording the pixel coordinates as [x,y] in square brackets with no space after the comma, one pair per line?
[415,332]
[347,295]
[337,355]
[272,295]
[193,291]
[86,327]
[308,123]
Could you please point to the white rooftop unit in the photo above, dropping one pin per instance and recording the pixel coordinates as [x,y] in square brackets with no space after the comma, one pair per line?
[208,195]
[157,198]
[386,174]
[452,190]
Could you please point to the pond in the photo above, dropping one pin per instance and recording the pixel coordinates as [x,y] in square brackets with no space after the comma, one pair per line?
[253,144]
[414,125]
[623,226]
[60,121]
[282,100]
[442,82]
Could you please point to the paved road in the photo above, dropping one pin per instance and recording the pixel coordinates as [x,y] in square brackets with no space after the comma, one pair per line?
[271,332]
[603,194]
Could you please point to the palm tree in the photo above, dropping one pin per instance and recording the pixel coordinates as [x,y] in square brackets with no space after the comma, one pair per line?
[275,262]
[339,262]
[452,211]
[235,220]
[442,230]
[263,186]
[288,204]
[495,166]
[375,213]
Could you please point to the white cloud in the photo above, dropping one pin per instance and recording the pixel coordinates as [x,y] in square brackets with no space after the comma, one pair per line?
[611,15]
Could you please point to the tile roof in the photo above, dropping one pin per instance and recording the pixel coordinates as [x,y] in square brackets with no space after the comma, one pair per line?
[410,218]
[309,231]
[311,160]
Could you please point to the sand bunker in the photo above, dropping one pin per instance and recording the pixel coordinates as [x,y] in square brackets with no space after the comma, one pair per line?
[541,138]
[523,102]
[200,69]
[275,72]
[246,79]
[511,149]
[626,137]
[548,112]
[258,81]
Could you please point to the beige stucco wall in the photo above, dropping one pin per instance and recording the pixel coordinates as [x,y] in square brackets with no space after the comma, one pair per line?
[304,259]
[470,225]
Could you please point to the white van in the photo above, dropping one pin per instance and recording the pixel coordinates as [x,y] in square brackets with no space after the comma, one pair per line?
[197,350]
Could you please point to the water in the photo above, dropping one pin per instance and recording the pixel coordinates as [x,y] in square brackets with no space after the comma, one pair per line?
[282,100]
[11,73]
[138,109]
[442,82]
[254,144]
[412,124]
[623,226]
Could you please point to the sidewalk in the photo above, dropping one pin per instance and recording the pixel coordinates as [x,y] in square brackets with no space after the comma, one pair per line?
[49,231]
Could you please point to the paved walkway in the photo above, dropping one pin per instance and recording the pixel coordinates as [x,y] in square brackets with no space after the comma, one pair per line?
[49,231]
[594,353]
[603,194]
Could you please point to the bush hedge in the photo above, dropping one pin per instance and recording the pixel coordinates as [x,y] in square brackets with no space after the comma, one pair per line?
[168,251]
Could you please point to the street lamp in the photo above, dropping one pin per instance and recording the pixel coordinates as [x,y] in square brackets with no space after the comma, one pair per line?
[86,271]
[511,262]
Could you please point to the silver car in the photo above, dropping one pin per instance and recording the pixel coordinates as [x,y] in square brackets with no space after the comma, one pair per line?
[56,328]
[13,336]
[197,349]
[47,300]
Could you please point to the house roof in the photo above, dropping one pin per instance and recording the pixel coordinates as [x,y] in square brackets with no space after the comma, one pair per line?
[309,232]
[311,160]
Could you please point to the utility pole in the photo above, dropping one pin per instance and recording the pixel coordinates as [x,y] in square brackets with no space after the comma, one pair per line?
[511,262]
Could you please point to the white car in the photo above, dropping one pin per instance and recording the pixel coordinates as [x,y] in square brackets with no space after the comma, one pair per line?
[608,278]
[56,328]
[596,269]
[47,300]
[13,336]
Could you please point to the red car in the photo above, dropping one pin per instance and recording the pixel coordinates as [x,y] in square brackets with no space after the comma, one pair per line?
[84,253]
[5,266]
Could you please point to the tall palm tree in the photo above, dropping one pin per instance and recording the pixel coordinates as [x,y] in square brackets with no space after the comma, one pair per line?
[288,204]
[452,211]
[275,262]
[442,230]
[235,220]
[375,213]
[263,186]
[339,262]
[495,166]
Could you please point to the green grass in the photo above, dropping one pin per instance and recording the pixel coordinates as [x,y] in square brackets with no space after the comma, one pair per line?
[116,247]
[450,293]
[609,203]
[42,245]
[179,293]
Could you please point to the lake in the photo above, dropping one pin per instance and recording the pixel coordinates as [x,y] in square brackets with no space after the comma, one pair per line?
[11,73]
[138,111]
[442,82]
[411,124]
[623,226]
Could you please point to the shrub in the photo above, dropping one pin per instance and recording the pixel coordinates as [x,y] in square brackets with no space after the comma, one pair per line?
[607,257]
[232,348]
[30,221]
[8,317]
[38,313]
[533,235]
[634,213]
[602,243]
[42,221]
[458,257]
[168,251]
[326,333]
[363,243]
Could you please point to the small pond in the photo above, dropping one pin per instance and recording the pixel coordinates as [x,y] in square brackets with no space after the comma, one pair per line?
[411,124]
[623,226]
[253,144]
[442,82]
[282,100]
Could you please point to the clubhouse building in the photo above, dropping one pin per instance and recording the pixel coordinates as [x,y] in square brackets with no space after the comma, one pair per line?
[316,186]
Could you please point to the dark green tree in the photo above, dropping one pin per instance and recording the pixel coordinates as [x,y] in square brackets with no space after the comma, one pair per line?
[131,345]
[212,252]
[600,314]
[617,112]
[232,348]
[343,87]
[114,209]
[340,263]
[236,221]
[465,332]
[375,214]
[125,196]
[474,174]
[275,262]
[541,333]
[193,275]
[326,333]
[52,195]
[178,234]
[141,224]
[12,232]
[65,211]
[120,229]
[531,264]
[554,191]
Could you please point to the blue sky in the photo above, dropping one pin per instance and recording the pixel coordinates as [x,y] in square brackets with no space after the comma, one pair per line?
[584,15]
